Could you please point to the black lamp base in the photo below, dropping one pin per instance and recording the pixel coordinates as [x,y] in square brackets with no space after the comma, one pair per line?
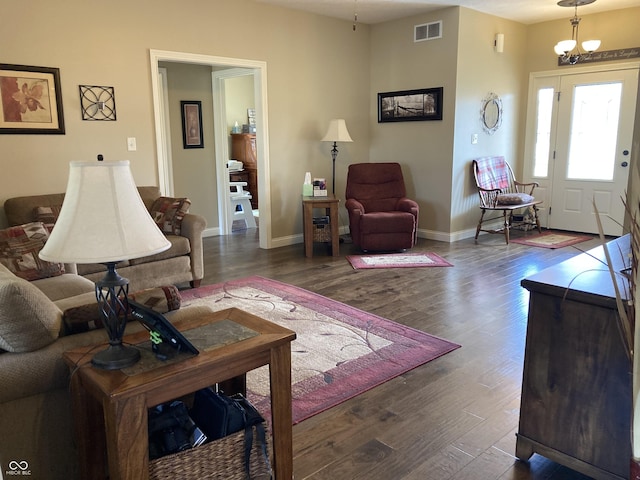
[116,357]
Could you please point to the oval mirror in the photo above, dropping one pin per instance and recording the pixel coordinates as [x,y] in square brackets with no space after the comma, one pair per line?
[491,113]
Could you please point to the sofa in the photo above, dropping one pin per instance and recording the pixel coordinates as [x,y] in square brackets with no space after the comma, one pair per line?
[37,319]
[181,263]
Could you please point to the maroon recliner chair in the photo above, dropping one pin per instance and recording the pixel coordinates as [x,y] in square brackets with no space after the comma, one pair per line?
[381,218]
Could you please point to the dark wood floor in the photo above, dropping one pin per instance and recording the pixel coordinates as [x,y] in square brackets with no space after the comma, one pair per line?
[455,417]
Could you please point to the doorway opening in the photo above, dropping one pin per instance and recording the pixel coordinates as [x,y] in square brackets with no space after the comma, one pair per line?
[165,168]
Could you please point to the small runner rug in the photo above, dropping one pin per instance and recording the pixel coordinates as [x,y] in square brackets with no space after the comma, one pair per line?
[339,351]
[397,260]
[551,240]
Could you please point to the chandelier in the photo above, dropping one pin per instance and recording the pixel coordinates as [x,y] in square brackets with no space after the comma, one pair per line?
[565,48]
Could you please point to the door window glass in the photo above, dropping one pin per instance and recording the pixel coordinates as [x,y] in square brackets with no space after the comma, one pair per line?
[543,132]
[594,131]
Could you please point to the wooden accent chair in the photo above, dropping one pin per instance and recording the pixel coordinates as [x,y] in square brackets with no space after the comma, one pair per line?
[499,191]
[381,218]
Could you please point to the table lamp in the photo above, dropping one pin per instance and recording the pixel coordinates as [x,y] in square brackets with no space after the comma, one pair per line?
[104,220]
[337,132]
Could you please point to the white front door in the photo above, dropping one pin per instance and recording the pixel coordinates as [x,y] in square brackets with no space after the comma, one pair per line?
[583,126]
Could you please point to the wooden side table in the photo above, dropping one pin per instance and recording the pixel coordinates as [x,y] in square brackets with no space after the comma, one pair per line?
[330,204]
[110,407]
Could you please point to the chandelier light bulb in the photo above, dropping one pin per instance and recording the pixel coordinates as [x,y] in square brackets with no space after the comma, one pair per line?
[591,46]
[565,46]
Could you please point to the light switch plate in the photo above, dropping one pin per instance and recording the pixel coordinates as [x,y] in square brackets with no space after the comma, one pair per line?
[131,144]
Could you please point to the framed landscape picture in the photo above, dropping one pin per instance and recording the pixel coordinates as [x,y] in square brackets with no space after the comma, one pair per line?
[410,105]
[191,124]
[31,100]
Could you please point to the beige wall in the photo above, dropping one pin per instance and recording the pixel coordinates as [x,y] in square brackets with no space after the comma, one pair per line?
[424,149]
[481,70]
[317,68]
[238,98]
[436,155]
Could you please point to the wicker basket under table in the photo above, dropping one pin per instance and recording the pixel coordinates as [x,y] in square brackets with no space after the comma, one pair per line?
[221,459]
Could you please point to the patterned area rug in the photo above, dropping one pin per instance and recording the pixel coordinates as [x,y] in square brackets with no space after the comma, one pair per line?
[339,352]
[551,240]
[397,260]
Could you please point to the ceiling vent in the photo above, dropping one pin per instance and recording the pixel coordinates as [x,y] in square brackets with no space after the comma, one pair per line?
[427,31]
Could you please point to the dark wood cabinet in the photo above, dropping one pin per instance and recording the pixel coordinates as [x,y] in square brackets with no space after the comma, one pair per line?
[577,385]
[243,149]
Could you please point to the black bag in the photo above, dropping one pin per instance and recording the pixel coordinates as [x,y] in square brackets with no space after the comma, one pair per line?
[218,415]
[170,429]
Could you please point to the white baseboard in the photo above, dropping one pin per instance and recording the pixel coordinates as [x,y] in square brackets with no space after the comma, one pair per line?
[344,230]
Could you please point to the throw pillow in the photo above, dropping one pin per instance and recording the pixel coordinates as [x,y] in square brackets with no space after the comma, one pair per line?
[19,248]
[160,299]
[47,215]
[514,198]
[28,319]
[87,317]
[168,213]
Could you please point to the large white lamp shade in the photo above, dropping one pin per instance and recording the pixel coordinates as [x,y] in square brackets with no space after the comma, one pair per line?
[103,219]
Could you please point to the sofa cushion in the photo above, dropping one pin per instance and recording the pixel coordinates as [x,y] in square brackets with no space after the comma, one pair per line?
[168,213]
[28,319]
[87,268]
[19,248]
[179,246]
[65,286]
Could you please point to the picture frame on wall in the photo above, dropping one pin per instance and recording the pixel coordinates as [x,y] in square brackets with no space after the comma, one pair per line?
[31,100]
[191,111]
[410,105]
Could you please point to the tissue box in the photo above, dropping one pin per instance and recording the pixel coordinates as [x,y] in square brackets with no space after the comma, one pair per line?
[319,187]
[307,190]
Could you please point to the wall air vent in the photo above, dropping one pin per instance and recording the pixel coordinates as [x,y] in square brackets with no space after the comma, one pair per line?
[427,31]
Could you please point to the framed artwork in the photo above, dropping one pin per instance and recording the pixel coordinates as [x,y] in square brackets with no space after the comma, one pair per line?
[191,124]
[410,105]
[31,100]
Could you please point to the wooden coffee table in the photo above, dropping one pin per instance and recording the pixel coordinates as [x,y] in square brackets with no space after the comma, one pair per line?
[110,407]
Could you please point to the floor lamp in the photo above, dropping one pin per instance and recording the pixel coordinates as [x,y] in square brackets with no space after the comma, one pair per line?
[337,132]
[104,220]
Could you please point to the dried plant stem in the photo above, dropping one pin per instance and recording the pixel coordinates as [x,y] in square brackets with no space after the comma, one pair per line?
[624,324]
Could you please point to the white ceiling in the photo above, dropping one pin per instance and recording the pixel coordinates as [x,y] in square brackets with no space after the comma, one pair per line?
[376,11]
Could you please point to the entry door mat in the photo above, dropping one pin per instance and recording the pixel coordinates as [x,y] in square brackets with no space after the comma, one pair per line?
[340,351]
[551,240]
[397,260]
